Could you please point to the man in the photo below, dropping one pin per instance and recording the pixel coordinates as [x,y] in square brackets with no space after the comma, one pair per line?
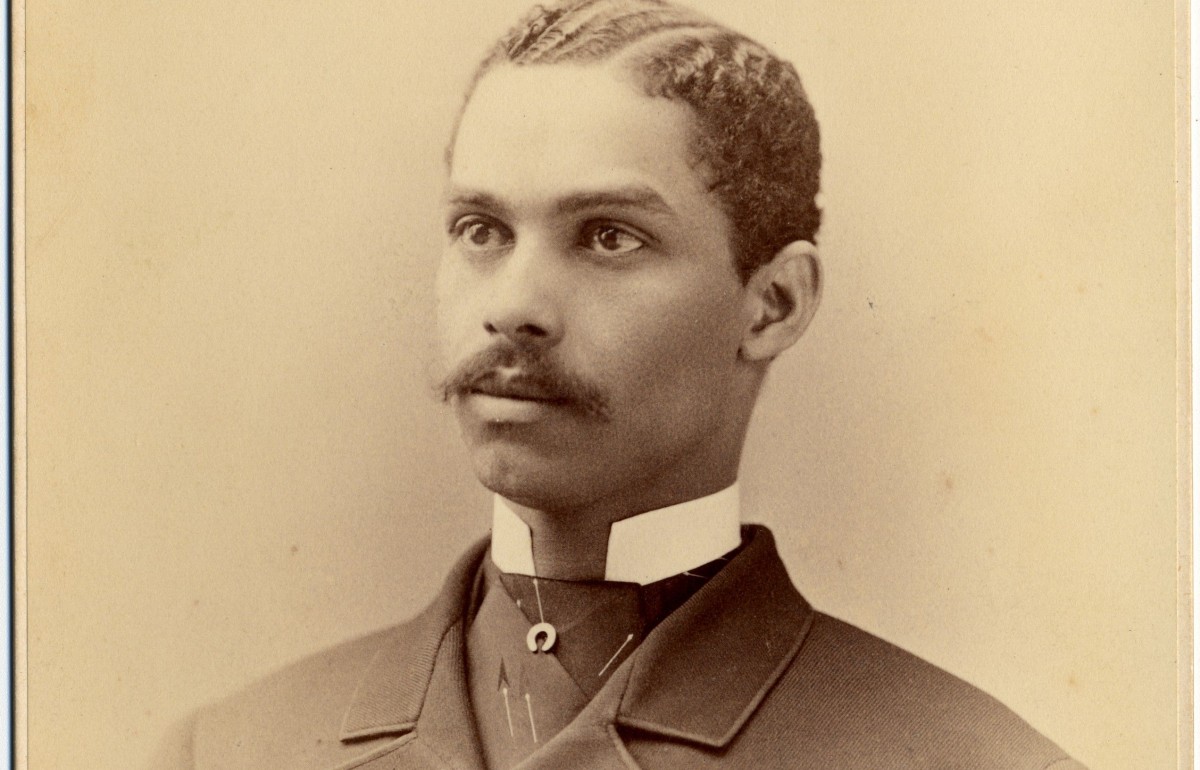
[631,220]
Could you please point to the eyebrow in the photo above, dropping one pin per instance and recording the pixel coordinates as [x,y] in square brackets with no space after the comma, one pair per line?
[636,196]
[476,199]
[632,196]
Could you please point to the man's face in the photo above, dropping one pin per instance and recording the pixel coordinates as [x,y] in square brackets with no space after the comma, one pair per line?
[591,269]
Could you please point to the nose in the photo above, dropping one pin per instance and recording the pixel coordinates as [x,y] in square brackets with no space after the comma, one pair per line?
[523,302]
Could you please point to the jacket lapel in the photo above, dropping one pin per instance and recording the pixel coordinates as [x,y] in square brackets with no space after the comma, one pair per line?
[701,674]
[415,690]
[591,741]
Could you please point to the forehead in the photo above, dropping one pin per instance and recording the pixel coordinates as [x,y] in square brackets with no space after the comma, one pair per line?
[534,133]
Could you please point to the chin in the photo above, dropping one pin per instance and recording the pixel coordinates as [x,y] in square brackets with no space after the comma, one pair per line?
[533,482]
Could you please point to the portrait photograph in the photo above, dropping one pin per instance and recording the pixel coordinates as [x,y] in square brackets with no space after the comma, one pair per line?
[584,384]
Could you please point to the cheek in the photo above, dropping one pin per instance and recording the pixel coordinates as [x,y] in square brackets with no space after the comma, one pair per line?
[674,345]
[454,312]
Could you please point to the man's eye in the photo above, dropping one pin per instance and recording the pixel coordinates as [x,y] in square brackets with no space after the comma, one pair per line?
[612,240]
[479,233]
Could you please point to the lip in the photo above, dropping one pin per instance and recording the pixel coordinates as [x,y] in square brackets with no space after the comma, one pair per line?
[507,397]
[508,409]
[514,389]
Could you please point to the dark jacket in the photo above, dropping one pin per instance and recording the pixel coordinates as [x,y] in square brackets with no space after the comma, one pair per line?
[744,675]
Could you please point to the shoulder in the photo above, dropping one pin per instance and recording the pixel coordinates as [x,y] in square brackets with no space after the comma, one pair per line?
[867,697]
[289,718]
[292,717]
[299,717]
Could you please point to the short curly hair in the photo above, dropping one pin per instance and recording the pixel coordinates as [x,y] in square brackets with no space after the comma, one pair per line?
[757,132]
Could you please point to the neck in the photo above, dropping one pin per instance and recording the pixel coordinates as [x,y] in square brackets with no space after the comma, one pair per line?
[565,549]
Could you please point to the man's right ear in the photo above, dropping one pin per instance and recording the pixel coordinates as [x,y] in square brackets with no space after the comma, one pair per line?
[781,299]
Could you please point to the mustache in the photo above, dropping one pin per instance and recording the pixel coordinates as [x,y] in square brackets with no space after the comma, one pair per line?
[535,372]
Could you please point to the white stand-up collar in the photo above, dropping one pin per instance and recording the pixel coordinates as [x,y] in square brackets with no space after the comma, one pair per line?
[641,549]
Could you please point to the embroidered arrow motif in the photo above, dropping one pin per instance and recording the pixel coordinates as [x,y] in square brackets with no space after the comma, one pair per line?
[503,687]
[532,726]
[628,639]
[541,615]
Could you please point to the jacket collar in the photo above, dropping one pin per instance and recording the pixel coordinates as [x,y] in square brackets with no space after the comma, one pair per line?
[702,673]
[393,687]
[734,638]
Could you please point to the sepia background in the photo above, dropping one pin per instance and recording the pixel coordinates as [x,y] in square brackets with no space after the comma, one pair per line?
[235,457]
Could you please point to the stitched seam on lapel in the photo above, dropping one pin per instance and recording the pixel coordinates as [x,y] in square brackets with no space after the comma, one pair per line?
[376,753]
[409,727]
[744,717]
[622,752]
[772,680]
[372,732]
[345,735]
[469,561]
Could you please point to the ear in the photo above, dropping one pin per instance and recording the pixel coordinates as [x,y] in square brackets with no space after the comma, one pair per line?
[781,299]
